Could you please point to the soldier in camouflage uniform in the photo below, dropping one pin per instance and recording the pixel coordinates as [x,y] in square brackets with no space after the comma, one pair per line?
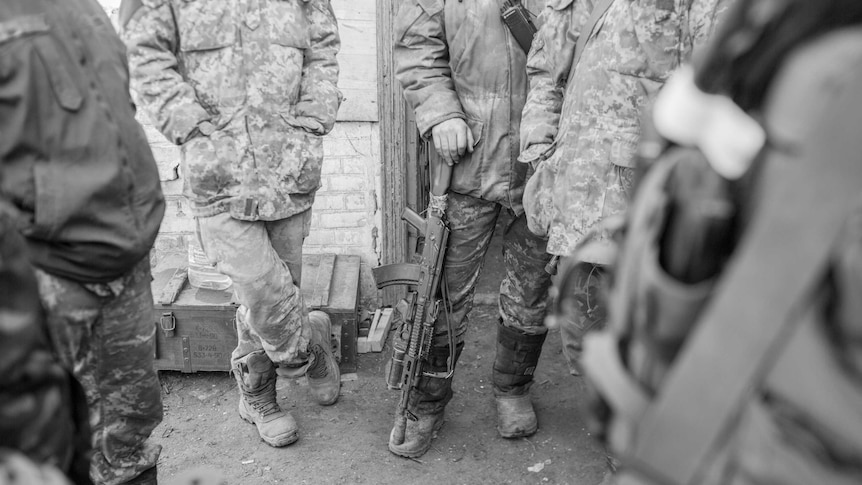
[581,124]
[37,406]
[464,75]
[247,89]
[78,176]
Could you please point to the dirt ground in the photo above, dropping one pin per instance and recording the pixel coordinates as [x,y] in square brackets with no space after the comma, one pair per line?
[347,443]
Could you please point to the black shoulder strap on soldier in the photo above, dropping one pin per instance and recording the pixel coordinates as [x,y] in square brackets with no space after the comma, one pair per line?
[127,11]
[699,399]
[517,19]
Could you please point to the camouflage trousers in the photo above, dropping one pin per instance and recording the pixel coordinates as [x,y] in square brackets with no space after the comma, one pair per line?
[264,260]
[590,311]
[38,409]
[103,334]
[524,289]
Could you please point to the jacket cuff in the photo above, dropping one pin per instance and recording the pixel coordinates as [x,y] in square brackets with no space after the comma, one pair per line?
[437,109]
[183,124]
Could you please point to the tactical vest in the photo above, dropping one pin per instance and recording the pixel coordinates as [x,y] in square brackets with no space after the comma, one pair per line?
[733,351]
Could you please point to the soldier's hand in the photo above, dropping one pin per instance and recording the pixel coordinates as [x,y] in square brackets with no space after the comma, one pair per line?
[452,139]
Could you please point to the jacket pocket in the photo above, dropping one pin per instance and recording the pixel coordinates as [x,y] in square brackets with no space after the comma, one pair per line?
[622,149]
[59,74]
[299,157]
[207,31]
[477,129]
[288,24]
[207,164]
[204,26]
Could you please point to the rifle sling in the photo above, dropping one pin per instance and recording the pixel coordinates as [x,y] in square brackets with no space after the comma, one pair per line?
[806,197]
[599,11]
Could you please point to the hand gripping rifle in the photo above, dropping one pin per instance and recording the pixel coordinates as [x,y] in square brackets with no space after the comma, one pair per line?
[413,342]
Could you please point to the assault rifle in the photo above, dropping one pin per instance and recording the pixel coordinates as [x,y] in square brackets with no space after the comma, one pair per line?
[413,341]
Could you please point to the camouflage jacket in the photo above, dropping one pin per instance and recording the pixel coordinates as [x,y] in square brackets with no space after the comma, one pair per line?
[247,88]
[459,60]
[581,125]
[75,165]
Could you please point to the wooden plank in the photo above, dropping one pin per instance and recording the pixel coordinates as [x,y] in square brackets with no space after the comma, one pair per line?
[321,283]
[393,147]
[174,287]
[357,59]
[380,329]
[363,344]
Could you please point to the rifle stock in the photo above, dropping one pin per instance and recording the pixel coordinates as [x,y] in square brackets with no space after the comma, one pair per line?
[413,342]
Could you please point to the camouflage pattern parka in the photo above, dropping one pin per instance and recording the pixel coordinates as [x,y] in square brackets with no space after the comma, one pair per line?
[458,60]
[247,88]
[581,127]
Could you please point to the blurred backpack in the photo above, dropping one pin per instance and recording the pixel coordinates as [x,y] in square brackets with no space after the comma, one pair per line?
[733,351]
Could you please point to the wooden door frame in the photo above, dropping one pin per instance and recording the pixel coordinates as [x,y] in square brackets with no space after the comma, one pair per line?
[398,150]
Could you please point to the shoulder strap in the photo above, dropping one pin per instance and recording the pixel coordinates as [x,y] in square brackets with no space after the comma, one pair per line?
[739,337]
[598,12]
[517,19]
[128,8]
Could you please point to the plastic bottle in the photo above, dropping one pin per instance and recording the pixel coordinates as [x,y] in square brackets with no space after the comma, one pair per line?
[203,274]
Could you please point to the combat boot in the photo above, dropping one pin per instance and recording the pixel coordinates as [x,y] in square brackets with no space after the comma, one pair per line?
[147,477]
[412,438]
[255,375]
[514,364]
[324,377]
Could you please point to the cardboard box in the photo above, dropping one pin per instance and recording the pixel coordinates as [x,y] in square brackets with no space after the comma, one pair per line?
[196,328]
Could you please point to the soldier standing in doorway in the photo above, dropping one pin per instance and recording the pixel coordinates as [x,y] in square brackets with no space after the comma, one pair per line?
[463,73]
[248,89]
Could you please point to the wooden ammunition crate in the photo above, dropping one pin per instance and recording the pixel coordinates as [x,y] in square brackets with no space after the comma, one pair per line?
[196,328]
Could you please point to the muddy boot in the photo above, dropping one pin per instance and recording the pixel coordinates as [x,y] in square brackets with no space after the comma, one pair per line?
[147,477]
[255,375]
[514,365]
[324,378]
[412,438]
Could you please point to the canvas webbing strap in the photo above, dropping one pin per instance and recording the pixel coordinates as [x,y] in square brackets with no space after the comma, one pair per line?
[599,11]
[806,197]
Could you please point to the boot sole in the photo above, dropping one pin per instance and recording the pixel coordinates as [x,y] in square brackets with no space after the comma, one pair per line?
[336,369]
[274,442]
[416,454]
[518,434]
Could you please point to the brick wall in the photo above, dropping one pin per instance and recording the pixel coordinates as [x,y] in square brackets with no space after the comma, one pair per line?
[345,216]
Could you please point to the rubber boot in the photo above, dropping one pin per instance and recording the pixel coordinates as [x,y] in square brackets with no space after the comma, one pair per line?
[514,365]
[255,376]
[412,438]
[324,377]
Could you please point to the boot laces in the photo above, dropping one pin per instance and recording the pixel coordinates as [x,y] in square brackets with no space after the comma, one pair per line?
[318,369]
[263,400]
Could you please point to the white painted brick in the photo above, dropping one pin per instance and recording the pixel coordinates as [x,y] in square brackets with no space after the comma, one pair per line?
[331,166]
[343,220]
[330,238]
[153,135]
[172,187]
[324,202]
[356,165]
[167,160]
[345,183]
[356,202]
[349,142]
[346,129]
